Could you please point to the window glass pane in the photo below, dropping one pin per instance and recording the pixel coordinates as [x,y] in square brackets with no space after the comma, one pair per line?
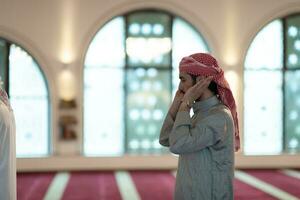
[263,112]
[31,114]
[148,99]
[29,99]
[103,91]
[149,39]
[293,42]
[186,40]
[265,52]
[103,116]
[292,111]
[107,47]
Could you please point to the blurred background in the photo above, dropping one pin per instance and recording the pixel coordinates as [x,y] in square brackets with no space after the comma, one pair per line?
[91,81]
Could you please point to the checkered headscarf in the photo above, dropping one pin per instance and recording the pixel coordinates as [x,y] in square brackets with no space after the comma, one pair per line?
[202,64]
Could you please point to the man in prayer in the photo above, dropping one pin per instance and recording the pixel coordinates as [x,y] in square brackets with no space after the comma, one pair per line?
[206,141]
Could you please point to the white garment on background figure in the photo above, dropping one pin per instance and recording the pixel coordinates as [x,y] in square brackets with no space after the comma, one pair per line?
[7,150]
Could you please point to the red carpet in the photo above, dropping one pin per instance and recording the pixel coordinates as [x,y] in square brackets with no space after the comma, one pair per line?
[33,186]
[154,185]
[278,179]
[92,186]
[243,191]
[149,185]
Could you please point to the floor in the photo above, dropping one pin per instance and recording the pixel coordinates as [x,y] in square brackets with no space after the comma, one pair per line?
[148,185]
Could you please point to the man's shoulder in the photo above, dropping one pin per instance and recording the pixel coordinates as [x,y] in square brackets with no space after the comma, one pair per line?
[220,110]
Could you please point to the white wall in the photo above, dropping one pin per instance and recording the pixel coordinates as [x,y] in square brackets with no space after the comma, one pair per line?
[58,32]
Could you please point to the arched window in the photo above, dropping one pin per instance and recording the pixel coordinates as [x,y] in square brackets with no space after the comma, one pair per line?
[131,70]
[272,89]
[28,93]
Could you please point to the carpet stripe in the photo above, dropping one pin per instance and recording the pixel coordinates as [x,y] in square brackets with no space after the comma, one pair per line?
[157,185]
[33,185]
[126,186]
[268,188]
[174,173]
[291,173]
[244,191]
[57,187]
[276,178]
[92,186]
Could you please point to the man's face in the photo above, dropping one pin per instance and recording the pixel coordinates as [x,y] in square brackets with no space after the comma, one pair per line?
[186,81]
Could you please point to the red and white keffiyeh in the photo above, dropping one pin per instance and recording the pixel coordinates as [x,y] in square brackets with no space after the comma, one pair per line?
[203,64]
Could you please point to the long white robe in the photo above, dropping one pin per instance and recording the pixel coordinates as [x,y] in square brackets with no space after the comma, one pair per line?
[7,153]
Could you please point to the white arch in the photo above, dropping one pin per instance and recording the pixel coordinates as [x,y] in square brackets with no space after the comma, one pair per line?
[20,40]
[127,7]
[269,17]
[130,6]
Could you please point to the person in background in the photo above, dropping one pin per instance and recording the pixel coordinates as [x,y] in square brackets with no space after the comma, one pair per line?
[7,149]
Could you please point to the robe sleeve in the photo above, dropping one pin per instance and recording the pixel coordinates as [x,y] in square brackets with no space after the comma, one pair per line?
[166,130]
[187,139]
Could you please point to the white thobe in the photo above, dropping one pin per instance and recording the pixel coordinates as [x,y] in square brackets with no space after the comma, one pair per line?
[7,153]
